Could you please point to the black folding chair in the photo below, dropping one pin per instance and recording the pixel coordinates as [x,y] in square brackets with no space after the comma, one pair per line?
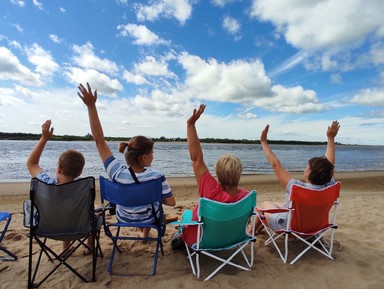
[66,213]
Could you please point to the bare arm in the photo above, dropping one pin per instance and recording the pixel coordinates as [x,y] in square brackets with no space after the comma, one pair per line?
[281,173]
[194,146]
[34,157]
[89,100]
[331,134]
[169,201]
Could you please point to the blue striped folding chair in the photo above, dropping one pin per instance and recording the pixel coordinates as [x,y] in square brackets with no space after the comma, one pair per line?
[146,193]
[7,217]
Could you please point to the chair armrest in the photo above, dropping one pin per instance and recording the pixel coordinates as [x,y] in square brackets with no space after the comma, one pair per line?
[272,211]
[183,223]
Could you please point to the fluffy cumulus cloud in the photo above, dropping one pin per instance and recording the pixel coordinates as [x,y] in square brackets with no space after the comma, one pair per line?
[12,69]
[246,83]
[44,62]
[141,34]
[370,97]
[104,84]
[181,10]
[303,25]
[85,57]
[238,81]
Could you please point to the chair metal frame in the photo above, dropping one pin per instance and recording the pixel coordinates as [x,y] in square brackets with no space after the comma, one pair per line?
[38,213]
[311,215]
[7,217]
[132,195]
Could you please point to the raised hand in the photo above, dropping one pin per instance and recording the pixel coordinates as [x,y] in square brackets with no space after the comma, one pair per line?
[264,134]
[87,96]
[333,129]
[46,130]
[196,114]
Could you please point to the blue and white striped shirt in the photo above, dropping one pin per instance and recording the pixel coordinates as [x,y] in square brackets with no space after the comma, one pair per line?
[119,173]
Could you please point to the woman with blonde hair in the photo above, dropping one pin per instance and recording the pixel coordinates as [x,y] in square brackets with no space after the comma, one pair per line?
[228,170]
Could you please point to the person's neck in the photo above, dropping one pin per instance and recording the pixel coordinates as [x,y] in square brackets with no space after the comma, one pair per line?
[138,169]
[233,191]
[63,179]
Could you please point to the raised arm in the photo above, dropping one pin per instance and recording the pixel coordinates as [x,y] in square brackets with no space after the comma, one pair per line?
[282,175]
[332,131]
[89,100]
[195,151]
[34,157]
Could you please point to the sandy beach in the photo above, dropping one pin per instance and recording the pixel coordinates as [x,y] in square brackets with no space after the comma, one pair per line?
[359,263]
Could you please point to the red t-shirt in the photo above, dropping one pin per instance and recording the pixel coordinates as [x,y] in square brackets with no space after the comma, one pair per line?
[209,188]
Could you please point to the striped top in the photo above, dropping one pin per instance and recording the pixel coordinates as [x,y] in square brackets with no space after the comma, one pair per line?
[119,173]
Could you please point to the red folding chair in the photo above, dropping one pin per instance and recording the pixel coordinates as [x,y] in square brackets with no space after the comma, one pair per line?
[310,217]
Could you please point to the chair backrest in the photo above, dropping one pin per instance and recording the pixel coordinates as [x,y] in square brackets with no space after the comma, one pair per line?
[225,223]
[311,207]
[131,195]
[64,211]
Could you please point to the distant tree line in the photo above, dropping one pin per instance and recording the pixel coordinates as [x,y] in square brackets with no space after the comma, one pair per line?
[88,137]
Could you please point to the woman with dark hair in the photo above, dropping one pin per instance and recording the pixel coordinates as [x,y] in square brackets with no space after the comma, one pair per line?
[138,155]
[317,174]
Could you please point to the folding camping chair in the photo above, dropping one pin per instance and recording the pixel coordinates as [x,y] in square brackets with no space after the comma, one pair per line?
[133,195]
[61,212]
[309,218]
[222,226]
[7,217]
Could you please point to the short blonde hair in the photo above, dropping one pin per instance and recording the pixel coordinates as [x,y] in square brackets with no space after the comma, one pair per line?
[228,170]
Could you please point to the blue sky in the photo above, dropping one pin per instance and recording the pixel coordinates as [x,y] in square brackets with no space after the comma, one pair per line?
[296,65]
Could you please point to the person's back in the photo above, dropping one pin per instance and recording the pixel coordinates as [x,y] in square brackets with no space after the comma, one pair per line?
[69,166]
[139,157]
[228,170]
[317,174]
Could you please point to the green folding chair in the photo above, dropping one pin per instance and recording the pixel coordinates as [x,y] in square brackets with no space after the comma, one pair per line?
[222,226]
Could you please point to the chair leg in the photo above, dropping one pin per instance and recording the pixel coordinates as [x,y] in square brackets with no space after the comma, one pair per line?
[12,257]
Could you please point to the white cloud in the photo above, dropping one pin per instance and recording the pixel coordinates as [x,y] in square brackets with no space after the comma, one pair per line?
[179,9]
[377,52]
[247,115]
[222,3]
[20,3]
[141,34]
[302,22]
[85,57]
[18,27]
[291,100]
[134,78]
[38,4]
[102,82]
[150,66]
[45,65]
[55,38]
[246,83]
[239,81]
[12,69]
[62,10]
[369,97]
[336,78]
[232,26]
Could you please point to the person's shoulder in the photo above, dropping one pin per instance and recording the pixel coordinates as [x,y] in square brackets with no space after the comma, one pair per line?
[153,173]
[44,177]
